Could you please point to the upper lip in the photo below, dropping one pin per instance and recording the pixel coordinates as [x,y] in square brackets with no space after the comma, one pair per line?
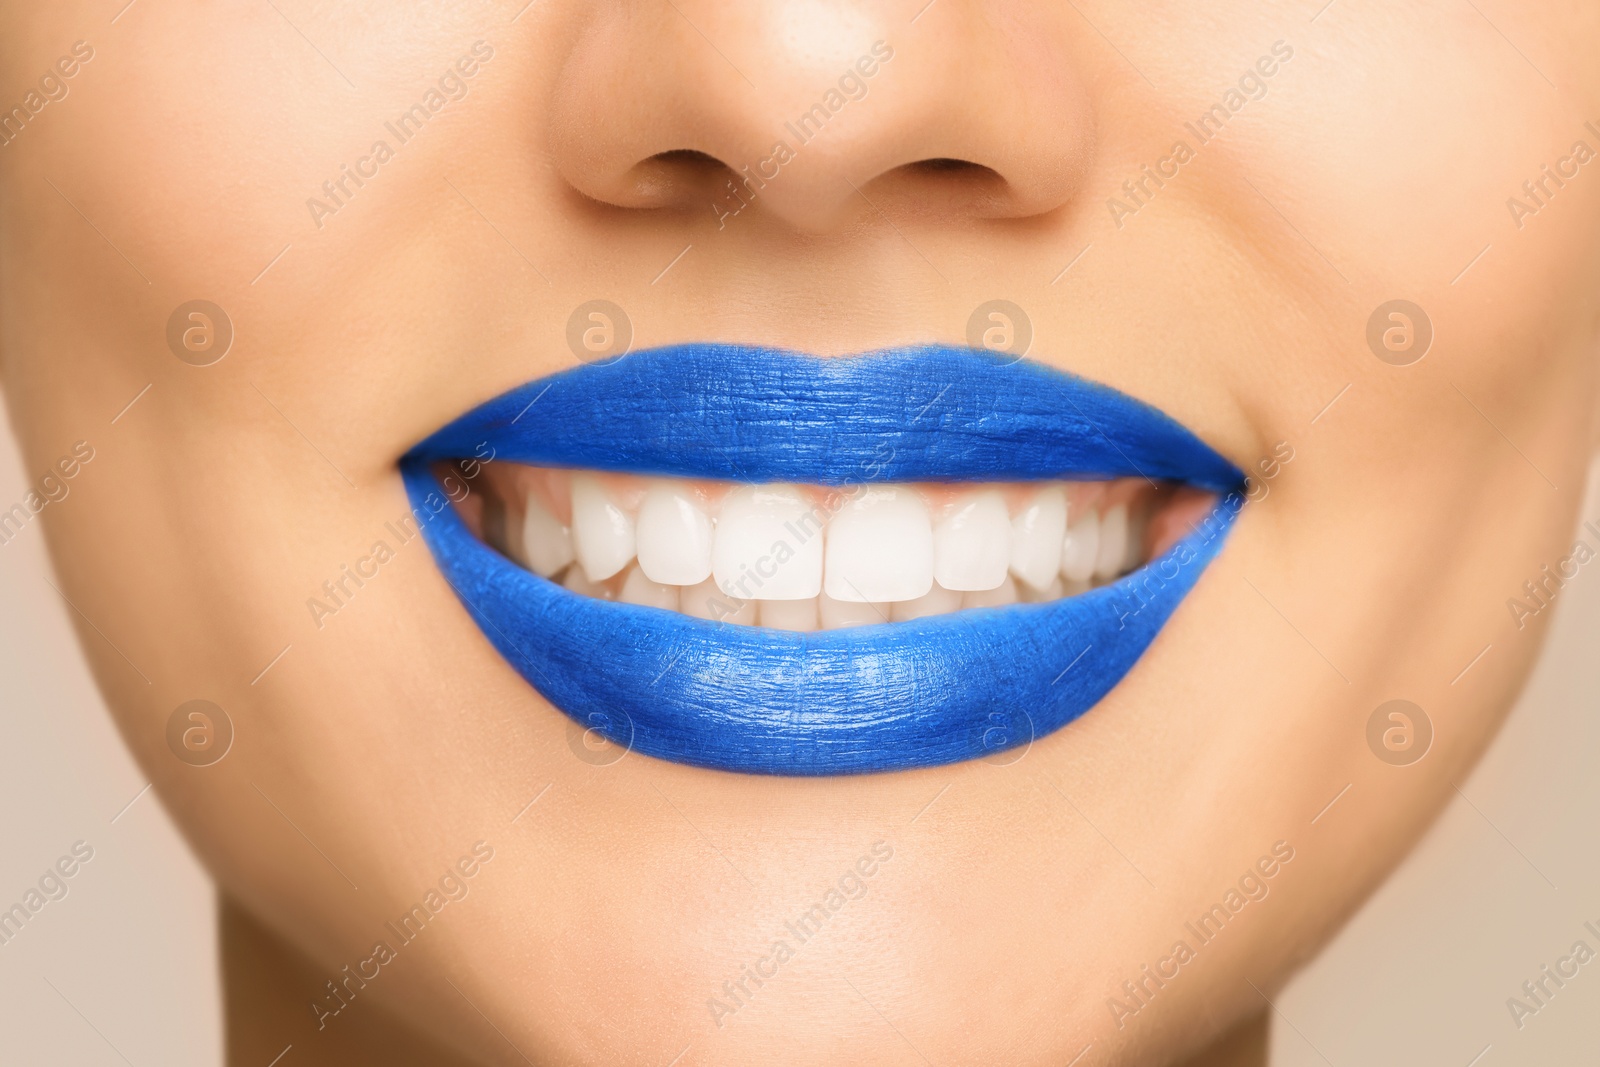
[769,415]
[936,690]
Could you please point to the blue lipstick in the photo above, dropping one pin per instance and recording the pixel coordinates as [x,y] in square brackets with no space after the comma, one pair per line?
[886,697]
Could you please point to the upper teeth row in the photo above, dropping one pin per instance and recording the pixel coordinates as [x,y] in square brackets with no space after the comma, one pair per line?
[866,544]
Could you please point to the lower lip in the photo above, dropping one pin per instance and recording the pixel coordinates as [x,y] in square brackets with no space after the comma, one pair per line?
[933,691]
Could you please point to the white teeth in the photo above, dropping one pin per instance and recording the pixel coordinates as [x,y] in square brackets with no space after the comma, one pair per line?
[937,601]
[706,601]
[1135,556]
[1081,549]
[1113,542]
[841,614]
[999,597]
[637,588]
[971,545]
[546,543]
[674,537]
[880,547]
[1036,536]
[579,583]
[768,544]
[799,615]
[782,557]
[602,533]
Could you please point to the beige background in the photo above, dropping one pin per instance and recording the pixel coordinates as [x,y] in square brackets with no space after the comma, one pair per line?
[123,970]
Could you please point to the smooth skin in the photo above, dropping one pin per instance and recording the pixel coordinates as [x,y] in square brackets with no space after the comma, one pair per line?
[1373,566]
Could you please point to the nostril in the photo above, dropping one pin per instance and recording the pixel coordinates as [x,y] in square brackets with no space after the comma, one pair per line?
[953,176]
[943,165]
[672,177]
[685,157]
[945,183]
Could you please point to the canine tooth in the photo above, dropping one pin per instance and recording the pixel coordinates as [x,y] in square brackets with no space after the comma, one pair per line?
[937,601]
[768,544]
[1036,537]
[546,544]
[880,547]
[1113,542]
[798,615]
[580,583]
[637,588]
[999,597]
[603,534]
[972,545]
[674,536]
[841,614]
[707,601]
[1080,549]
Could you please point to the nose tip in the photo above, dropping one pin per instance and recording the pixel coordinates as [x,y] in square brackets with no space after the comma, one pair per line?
[816,121]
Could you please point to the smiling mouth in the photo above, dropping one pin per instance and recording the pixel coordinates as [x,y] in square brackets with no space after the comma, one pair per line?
[805,557]
[761,561]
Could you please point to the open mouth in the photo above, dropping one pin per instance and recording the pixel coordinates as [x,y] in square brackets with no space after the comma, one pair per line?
[762,561]
[806,557]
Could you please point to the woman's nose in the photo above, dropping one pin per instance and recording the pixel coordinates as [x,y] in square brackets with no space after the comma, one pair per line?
[817,111]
